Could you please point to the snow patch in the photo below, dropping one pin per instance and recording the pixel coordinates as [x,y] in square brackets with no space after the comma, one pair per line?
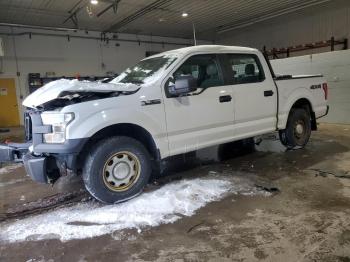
[87,220]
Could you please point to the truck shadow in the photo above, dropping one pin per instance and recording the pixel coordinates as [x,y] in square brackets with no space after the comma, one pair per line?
[260,156]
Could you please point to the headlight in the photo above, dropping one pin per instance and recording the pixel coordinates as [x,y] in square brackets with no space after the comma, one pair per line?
[59,122]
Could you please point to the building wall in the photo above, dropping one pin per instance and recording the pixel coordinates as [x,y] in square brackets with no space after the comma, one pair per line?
[335,66]
[41,54]
[317,23]
[313,24]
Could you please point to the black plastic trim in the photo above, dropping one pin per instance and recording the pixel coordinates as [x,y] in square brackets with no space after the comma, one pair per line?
[291,77]
[268,93]
[71,146]
[36,168]
[6,153]
[327,111]
[151,102]
[13,152]
[37,138]
[225,99]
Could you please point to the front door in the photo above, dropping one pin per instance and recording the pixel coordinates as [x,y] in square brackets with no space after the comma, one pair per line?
[9,115]
[205,117]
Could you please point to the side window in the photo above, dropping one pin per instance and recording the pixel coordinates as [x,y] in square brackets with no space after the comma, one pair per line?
[204,68]
[246,68]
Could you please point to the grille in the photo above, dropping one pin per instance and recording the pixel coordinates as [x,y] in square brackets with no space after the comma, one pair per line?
[28,126]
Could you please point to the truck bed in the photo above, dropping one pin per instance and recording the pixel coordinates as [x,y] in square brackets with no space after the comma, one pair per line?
[291,88]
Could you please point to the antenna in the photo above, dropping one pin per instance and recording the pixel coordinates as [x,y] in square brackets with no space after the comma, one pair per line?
[194,34]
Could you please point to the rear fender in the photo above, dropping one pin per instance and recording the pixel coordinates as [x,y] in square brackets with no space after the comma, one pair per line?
[292,98]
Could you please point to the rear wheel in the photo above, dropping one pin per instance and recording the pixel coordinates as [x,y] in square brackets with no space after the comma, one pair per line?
[117,169]
[298,130]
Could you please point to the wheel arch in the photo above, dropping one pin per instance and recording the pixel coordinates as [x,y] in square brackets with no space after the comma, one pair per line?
[129,130]
[305,103]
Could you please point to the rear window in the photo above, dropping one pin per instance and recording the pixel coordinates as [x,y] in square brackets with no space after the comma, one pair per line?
[245,68]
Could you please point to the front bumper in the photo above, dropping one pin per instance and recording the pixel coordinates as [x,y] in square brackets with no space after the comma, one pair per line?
[36,168]
[13,152]
[58,160]
[46,162]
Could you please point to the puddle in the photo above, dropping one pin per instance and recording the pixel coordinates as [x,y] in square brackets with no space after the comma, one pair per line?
[266,143]
[269,143]
[11,182]
[9,168]
[165,205]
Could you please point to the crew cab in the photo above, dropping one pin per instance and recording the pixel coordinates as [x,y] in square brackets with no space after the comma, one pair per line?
[114,134]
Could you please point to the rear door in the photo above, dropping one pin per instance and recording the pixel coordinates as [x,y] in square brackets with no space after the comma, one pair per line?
[254,95]
[204,117]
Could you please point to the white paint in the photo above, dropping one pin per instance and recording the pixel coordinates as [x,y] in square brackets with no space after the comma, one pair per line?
[318,23]
[335,66]
[165,205]
[53,89]
[239,119]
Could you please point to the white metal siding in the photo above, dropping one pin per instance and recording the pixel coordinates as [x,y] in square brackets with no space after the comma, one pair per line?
[335,66]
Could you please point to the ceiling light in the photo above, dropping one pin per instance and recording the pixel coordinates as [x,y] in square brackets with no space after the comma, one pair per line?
[184,14]
[94,2]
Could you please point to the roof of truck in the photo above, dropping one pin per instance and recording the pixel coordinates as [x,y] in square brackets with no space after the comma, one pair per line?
[208,48]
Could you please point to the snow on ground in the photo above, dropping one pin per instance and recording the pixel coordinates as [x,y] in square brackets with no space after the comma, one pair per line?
[8,169]
[164,205]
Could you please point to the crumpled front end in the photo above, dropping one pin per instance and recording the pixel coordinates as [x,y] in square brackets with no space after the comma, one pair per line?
[44,162]
[63,92]
[48,153]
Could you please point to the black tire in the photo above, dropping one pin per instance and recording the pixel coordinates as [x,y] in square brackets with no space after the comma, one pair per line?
[95,175]
[298,130]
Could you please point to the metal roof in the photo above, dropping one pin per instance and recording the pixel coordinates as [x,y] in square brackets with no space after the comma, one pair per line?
[149,17]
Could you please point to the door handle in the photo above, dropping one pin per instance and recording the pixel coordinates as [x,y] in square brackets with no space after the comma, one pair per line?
[224,99]
[268,93]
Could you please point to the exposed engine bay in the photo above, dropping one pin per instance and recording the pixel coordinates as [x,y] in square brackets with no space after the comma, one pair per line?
[61,93]
[67,98]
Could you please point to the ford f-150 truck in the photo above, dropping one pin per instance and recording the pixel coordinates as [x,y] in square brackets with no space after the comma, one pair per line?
[116,133]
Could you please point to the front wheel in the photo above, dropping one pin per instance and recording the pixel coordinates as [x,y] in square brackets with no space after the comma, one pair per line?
[298,130]
[117,169]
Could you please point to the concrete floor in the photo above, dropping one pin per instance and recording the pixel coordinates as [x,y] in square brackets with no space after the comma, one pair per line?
[305,217]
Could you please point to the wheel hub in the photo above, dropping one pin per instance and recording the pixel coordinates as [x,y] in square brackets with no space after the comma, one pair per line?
[121,171]
[299,129]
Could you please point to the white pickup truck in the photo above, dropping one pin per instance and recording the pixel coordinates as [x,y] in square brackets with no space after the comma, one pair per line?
[172,103]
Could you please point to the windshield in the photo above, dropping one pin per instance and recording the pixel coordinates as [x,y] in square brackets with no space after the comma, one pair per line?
[146,70]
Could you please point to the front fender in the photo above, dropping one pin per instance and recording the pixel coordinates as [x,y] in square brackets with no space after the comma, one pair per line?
[93,116]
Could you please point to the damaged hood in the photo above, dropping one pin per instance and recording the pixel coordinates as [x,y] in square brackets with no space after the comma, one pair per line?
[60,88]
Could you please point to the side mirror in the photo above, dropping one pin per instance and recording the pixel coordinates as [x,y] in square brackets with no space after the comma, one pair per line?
[183,85]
